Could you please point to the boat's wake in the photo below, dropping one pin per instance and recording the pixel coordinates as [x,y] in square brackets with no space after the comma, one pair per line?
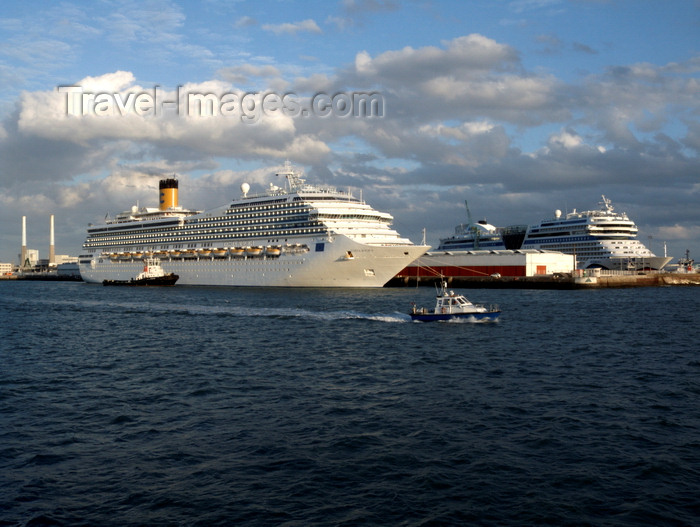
[229,309]
[226,309]
[466,320]
[297,312]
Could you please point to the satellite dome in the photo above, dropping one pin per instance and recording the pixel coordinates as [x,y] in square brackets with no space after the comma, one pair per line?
[557,214]
[245,187]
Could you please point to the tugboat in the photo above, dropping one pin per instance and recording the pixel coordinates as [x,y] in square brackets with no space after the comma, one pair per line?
[450,306]
[686,264]
[152,274]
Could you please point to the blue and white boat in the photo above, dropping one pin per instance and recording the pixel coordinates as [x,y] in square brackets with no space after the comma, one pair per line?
[450,306]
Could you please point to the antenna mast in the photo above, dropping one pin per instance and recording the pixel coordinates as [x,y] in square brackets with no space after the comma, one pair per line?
[294,179]
[469,214]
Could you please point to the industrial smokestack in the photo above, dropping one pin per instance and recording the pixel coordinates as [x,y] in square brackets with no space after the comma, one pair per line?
[23,252]
[52,247]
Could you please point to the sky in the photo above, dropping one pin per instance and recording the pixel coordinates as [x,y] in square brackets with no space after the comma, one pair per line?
[518,107]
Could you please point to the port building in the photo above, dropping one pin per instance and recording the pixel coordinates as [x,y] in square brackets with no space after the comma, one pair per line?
[505,263]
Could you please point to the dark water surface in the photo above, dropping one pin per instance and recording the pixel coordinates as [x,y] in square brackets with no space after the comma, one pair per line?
[218,406]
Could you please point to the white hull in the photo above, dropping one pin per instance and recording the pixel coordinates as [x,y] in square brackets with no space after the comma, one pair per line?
[623,263]
[599,238]
[299,236]
[342,263]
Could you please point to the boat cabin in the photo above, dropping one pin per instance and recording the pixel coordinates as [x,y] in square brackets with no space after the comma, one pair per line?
[451,302]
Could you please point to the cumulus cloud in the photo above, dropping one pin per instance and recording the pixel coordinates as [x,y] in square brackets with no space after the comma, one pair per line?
[211,117]
[469,77]
[245,21]
[243,73]
[679,232]
[463,56]
[292,28]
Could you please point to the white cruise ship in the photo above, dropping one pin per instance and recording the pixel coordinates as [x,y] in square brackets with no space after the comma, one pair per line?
[599,238]
[473,237]
[301,235]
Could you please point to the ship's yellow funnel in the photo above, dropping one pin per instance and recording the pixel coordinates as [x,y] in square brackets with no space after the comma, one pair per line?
[168,193]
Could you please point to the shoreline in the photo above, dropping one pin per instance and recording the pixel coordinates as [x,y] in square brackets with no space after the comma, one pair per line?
[46,277]
[487,282]
[554,281]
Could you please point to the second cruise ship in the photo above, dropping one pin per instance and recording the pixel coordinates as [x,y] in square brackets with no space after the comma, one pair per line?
[601,238]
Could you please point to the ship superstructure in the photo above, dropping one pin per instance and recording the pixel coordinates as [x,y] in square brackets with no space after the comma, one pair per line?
[601,238]
[473,237]
[598,238]
[299,235]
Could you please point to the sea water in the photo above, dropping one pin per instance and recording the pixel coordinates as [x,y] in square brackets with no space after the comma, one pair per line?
[235,406]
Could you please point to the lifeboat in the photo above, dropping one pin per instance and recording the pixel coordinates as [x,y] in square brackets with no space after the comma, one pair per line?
[273,250]
[236,251]
[253,251]
[297,248]
[219,252]
[125,256]
[204,252]
[175,253]
[161,254]
[189,253]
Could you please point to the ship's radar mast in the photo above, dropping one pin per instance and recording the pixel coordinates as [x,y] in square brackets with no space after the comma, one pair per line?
[606,204]
[294,179]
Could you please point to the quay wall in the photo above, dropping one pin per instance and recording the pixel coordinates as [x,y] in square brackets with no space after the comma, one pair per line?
[556,281]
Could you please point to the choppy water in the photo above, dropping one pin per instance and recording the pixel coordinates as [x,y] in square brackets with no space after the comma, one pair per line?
[206,406]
